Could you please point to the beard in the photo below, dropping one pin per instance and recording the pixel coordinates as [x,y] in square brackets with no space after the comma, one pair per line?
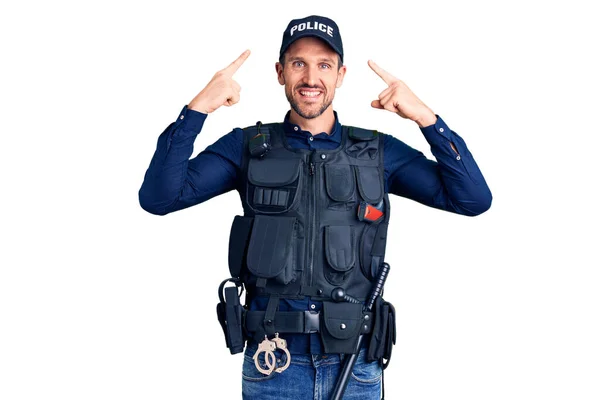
[309,112]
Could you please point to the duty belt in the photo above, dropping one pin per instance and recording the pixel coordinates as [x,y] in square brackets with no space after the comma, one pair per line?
[292,321]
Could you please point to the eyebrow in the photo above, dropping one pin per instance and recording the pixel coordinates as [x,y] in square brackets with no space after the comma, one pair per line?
[320,60]
[326,59]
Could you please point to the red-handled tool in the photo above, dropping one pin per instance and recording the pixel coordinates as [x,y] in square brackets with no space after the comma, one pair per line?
[369,212]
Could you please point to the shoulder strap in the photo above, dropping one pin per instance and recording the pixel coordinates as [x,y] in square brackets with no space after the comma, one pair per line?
[361,134]
[258,139]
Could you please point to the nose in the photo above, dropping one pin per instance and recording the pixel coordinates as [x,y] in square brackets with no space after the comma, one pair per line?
[311,77]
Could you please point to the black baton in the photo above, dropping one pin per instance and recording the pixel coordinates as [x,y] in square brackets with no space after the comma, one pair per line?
[342,381]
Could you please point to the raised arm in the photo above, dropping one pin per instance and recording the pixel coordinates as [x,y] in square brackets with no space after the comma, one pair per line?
[453,183]
[173,181]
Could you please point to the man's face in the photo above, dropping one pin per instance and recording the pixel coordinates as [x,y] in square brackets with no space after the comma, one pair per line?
[310,76]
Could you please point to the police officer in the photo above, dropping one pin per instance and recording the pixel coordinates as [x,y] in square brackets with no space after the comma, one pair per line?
[316,211]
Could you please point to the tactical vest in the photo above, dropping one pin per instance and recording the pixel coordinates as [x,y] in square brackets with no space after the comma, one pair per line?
[306,229]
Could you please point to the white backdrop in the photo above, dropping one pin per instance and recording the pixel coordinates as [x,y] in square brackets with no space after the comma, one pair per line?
[101,300]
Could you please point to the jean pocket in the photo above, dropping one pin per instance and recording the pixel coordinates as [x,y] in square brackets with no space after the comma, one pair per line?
[367,372]
[251,373]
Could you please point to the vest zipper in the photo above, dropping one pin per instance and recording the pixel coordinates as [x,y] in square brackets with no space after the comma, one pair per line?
[312,209]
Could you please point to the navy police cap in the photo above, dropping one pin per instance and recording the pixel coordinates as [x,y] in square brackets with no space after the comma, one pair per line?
[320,27]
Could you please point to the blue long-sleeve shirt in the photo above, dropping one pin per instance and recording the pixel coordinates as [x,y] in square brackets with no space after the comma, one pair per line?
[173,181]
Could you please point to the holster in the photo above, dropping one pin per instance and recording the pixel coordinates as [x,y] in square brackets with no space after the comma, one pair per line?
[230,314]
[383,336]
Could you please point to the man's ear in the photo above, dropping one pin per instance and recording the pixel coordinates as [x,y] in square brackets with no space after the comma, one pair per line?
[340,78]
[279,69]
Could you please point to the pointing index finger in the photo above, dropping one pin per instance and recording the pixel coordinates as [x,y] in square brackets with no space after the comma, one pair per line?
[234,66]
[383,74]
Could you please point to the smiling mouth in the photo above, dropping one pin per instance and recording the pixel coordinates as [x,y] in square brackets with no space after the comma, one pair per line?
[310,93]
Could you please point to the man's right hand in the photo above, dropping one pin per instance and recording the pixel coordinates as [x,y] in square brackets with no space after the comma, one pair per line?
[222,90]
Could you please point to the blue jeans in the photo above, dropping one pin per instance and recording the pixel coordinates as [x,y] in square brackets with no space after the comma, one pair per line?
[309,377]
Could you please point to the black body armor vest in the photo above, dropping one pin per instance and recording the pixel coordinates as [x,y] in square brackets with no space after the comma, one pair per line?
[307,227]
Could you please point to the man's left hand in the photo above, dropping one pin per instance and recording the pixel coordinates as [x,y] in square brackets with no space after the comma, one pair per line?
[399,99]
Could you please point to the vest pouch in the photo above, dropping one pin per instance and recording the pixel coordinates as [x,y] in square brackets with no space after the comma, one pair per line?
[271,250]
[370,184]
[339,253]
[238,244]
[273,184]
[342,323]
[363,150]
[372,249]
[383,336]
[339,182]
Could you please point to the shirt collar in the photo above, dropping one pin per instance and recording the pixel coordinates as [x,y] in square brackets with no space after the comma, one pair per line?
[295,130]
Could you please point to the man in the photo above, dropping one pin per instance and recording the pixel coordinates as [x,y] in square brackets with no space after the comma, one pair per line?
[316,210]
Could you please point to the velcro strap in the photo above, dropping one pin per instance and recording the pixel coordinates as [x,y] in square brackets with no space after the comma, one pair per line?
[269,318]
[361,134]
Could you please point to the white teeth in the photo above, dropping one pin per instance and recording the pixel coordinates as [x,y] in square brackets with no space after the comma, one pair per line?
[310,94]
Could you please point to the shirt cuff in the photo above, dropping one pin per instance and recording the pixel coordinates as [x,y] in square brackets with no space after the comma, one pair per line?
[190,120]
[433,132]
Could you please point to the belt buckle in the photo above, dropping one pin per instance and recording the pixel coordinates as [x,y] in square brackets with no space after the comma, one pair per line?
[311,321]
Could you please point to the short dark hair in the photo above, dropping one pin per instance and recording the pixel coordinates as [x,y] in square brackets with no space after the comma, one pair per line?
[282,60]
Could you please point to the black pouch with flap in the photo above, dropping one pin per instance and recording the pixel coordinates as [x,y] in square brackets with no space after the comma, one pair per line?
[383,336]
[341,324]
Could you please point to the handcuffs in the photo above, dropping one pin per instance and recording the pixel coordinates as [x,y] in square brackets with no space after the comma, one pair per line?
[269,346]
